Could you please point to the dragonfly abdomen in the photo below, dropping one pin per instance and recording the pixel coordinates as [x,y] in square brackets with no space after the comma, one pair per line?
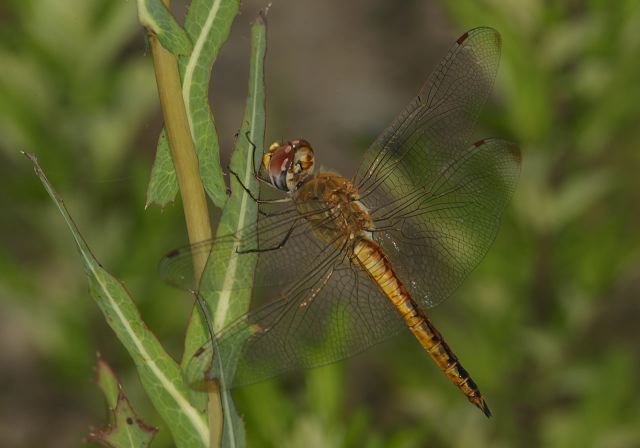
[372,259]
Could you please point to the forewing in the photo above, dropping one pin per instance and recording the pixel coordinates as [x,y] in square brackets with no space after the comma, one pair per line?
[436,125]
[437,234]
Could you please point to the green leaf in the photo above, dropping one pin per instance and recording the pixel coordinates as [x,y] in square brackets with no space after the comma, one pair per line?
[107,381]
[155,17]
[163,185]
[159,373]
[125,428]
[208,23]
[127,431]
[239,212]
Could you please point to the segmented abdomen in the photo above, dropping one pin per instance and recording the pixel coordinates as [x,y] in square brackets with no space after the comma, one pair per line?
[372,259]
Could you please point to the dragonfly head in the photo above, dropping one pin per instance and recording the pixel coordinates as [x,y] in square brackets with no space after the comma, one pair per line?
[288,164]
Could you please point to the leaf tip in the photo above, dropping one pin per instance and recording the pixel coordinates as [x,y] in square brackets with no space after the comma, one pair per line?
[33,159]
[161,204]
[262,15]
[102,367]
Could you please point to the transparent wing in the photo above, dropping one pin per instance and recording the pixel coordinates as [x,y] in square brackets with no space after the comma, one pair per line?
[309,305]
[282,240]
[436,201]
[436,235]
[329,315]
[436,125]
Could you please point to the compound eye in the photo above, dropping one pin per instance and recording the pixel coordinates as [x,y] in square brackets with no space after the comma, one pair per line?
[277,162]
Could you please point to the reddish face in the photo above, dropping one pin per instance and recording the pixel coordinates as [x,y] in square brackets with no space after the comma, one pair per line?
[288,164]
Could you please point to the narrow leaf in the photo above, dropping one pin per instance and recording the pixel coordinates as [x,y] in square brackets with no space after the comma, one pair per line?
[155,16]
[239,212]
[208,24]
[160,375]
[125,429]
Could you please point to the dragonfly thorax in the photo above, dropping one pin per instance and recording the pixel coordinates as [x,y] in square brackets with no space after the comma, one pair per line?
[331,203]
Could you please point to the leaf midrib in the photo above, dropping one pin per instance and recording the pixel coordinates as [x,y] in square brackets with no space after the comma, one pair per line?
[194,57]
[182,402]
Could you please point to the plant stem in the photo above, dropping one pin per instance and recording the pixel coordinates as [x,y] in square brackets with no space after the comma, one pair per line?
[182,149]
[191,189]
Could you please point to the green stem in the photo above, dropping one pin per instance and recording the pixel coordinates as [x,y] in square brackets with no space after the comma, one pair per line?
[191,188]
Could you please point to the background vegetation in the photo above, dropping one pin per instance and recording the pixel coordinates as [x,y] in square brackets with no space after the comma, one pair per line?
[547,325]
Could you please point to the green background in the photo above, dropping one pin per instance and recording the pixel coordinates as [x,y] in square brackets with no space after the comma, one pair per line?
[548,325]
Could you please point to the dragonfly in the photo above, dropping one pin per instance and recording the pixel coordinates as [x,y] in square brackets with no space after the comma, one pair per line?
[344,263]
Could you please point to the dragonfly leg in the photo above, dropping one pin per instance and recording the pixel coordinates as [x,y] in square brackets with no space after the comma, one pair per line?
[280,245]
[258,201]
[256,172]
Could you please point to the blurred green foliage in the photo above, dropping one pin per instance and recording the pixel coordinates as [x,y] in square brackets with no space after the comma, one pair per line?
[78,93]
[547,325]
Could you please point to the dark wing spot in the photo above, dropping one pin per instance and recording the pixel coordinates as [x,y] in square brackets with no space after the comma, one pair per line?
[515,150]
[479,143]
[462,38]
[173,253]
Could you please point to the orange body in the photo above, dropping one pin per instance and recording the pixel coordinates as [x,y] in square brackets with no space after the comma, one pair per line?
[332,203]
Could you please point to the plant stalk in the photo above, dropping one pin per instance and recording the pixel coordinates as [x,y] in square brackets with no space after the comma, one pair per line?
[191,188]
